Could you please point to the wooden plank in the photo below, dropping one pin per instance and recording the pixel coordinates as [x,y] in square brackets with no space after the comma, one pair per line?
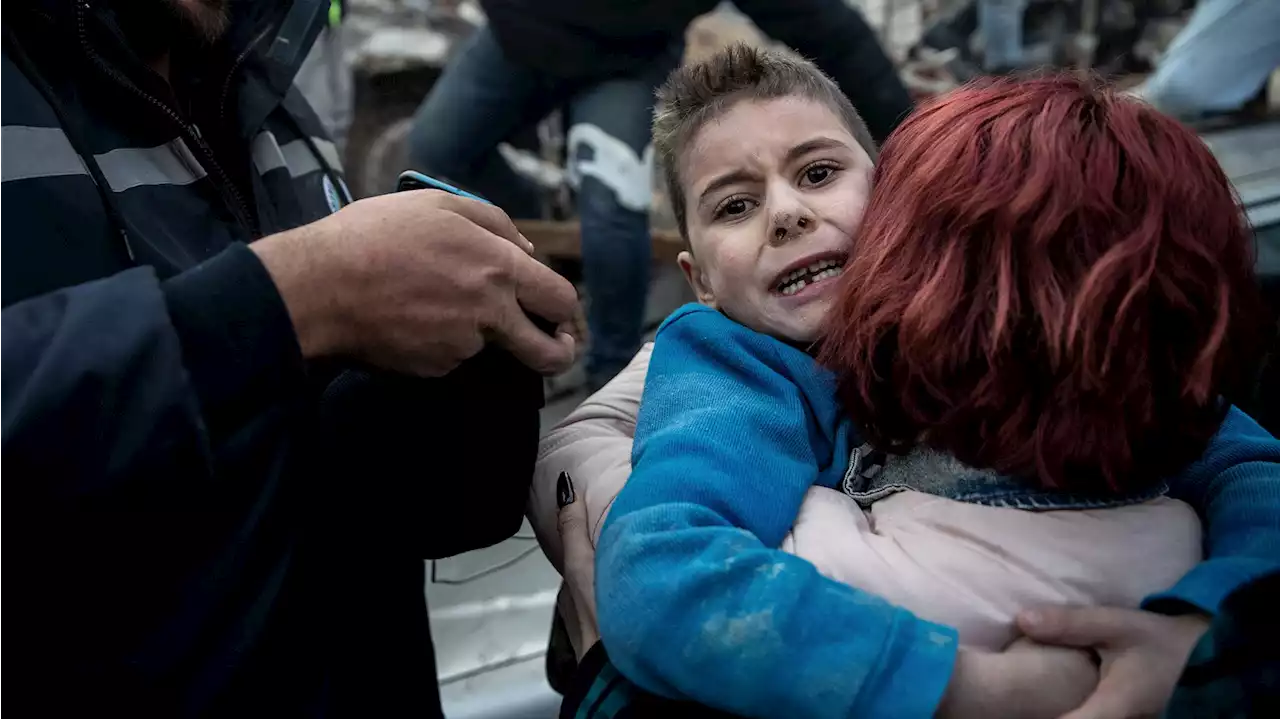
[564,240]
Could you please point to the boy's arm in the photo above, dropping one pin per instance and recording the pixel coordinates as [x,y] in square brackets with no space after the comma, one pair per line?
[1235,487]
[695,601]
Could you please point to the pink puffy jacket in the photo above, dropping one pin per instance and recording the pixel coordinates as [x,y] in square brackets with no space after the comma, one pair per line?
[969,566]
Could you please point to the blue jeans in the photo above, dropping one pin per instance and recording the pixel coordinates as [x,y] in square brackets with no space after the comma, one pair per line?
[483,97]
[1000,25]
[1220,60]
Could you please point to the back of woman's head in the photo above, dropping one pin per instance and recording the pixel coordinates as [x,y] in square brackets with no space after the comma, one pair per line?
[1052,280]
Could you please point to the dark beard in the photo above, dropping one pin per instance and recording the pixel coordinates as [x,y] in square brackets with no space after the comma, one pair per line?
[153,27]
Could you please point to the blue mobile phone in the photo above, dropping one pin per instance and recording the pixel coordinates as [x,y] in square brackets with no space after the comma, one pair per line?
[414,180]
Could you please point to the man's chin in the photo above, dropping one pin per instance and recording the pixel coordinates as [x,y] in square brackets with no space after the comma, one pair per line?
[206,19]
[155,27]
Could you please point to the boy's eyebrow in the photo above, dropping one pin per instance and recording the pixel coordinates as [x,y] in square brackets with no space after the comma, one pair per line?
[817,143]
[735,176]
[732,177]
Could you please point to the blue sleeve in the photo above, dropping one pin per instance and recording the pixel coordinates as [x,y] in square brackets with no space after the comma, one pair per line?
[1235,487]
[694,600]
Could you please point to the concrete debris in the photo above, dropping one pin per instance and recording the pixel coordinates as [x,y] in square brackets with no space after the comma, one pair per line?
[389,36]
[391,49]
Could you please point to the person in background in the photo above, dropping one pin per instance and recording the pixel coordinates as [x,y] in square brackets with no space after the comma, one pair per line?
[604,59]
[1220,61]
[239,409]
[1000,27]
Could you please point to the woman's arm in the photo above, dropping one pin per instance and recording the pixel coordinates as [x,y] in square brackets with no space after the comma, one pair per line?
[1235,487]
[593,445]
[694,600]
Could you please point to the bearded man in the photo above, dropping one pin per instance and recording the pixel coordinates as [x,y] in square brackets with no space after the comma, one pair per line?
[239,408]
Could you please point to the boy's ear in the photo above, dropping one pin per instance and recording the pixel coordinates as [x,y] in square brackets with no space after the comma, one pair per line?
[697,280]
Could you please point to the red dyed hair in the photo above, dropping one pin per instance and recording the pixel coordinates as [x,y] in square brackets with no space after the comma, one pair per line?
[1052,280]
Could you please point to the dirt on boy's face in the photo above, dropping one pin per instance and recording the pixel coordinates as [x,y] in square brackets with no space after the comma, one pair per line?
[775,192]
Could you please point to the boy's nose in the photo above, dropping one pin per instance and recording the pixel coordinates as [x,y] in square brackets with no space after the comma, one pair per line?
[788,225]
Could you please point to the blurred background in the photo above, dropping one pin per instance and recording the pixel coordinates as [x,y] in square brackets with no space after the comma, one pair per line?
[378,59]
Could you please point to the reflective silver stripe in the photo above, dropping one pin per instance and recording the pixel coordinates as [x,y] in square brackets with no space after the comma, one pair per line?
[296,156]
[31,152]
[168,164]
[329,152]
[266,153]
[299,158]
[38,152]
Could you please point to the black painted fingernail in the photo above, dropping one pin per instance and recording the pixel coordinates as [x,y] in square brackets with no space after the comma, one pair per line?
[564,490]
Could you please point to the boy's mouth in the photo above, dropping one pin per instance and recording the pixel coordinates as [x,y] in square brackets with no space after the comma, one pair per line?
[809,271]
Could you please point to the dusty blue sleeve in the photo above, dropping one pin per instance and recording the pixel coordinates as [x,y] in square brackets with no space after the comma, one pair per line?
[694,600]
[1235,487]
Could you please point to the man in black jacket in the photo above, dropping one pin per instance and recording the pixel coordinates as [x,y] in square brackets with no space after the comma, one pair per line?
[605,58]
[222,459]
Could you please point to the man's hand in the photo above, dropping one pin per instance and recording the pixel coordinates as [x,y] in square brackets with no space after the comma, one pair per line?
[418,282]
[1025,681]
[1143,654]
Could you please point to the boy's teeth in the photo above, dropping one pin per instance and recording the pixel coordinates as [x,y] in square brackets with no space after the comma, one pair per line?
[813,269]
[800,279]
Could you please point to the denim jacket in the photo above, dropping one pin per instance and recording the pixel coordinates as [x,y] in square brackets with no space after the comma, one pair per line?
[874,474]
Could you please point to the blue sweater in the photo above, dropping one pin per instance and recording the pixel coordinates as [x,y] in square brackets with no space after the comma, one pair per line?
[695,601]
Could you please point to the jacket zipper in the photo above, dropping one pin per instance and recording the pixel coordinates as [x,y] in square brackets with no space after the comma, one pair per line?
[189,131]
[226,84]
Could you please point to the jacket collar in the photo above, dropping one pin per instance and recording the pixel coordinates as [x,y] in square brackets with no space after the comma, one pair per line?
[265,43]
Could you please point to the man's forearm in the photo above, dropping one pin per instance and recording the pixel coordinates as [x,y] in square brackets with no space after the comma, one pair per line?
[173,368]
[305,273]
[238,342]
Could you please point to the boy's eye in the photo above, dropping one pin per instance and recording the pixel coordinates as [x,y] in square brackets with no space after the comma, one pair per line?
[817,174]
[733,207]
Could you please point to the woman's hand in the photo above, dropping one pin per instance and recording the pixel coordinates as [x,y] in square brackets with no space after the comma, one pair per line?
[578,604]
[1142,653]
[1025,681]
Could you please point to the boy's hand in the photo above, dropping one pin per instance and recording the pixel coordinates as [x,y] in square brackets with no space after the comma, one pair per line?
[1025,681]
[1143,654]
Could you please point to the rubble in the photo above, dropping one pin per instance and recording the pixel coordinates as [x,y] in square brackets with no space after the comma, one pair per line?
[396,48]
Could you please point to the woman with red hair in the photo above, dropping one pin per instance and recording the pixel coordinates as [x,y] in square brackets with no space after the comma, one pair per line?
[1052,281]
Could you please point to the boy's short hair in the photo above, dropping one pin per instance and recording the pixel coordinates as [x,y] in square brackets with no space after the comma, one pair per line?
[697,93]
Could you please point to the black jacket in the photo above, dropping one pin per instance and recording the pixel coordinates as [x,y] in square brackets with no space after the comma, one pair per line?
[597,39]
[208,524]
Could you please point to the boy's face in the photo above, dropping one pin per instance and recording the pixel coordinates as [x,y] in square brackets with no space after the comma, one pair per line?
[775,192]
